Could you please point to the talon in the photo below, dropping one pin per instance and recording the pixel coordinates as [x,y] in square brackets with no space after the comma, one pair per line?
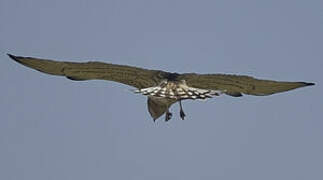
[182,114]
[168,116]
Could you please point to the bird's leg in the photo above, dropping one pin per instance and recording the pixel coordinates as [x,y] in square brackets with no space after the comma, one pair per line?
[168,115]
[181,112]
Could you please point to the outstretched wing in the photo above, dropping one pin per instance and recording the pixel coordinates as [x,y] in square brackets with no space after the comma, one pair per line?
[235,85]
[133,76]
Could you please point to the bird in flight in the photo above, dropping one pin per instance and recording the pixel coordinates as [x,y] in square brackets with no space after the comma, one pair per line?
[162,88]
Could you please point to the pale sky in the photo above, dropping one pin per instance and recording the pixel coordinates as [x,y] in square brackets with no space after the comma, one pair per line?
[52,128]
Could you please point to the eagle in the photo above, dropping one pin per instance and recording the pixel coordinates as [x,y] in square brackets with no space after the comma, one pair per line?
[162,88]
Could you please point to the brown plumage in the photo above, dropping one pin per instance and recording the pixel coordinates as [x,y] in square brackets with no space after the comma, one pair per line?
[162,88]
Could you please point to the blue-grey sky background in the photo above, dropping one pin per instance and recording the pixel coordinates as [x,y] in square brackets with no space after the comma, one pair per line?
[53,128]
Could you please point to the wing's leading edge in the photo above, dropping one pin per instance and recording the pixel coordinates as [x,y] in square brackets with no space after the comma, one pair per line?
[235,85]
[133,76]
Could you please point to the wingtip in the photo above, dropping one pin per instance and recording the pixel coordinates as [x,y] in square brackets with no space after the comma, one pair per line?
[308,84]
[11,56]
[15,58]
